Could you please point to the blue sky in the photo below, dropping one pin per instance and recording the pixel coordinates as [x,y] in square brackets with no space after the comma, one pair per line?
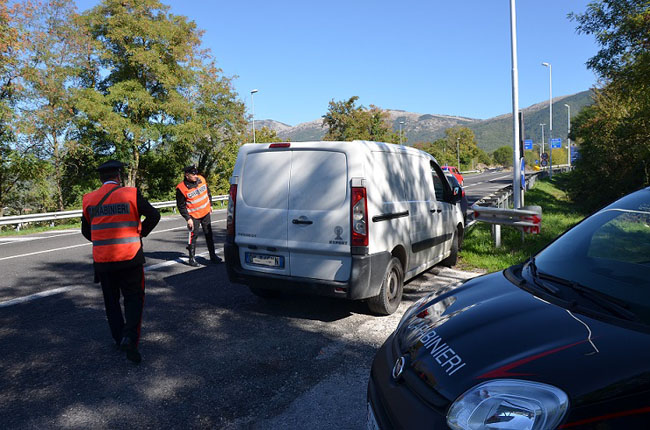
[426,56]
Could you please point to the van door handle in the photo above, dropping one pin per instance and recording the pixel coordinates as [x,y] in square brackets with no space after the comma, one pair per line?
[301,221]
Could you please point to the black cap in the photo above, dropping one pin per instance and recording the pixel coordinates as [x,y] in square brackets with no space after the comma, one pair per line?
[110,165]
[191,169]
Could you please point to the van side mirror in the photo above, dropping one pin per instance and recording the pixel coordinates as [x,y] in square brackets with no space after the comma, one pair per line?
[458,195]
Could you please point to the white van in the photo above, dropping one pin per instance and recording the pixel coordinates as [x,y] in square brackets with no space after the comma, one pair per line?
[345,219]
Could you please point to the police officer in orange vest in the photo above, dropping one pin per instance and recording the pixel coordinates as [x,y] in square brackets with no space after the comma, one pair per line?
[112,222]
[193,200]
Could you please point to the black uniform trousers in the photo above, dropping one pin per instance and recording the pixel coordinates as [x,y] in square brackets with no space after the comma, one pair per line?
[206,225]
[130,283]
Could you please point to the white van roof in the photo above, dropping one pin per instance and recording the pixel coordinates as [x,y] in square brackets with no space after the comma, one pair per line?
[345,146]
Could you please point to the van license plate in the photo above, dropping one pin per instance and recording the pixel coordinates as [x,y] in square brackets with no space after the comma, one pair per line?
[265,260]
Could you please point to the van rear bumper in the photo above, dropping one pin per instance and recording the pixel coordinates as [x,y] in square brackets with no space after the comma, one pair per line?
[366,276]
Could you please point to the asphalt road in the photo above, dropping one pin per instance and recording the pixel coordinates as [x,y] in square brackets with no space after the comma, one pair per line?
[214,355]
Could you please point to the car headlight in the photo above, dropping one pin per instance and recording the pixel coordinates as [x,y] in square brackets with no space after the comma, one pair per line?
[510,404]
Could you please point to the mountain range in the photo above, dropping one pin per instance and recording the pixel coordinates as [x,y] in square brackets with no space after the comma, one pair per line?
[490,133]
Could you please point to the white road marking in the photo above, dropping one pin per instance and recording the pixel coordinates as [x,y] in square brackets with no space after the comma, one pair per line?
[40,295]
[87,244]
[11,240]
[61,290]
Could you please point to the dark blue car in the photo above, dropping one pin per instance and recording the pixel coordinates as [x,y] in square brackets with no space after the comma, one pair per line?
[561,341]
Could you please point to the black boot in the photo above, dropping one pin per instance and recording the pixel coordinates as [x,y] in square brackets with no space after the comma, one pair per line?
[213,255]
[192,249]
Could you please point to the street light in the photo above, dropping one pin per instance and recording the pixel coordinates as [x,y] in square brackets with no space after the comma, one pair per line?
[401,123]
[541,147]
[517,185]
[253,108]
[550,113]
[568,139]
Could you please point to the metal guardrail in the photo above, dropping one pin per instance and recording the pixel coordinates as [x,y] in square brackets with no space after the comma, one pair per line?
[54,216]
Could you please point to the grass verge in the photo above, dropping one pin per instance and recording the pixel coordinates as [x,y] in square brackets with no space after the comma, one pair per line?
[558,215]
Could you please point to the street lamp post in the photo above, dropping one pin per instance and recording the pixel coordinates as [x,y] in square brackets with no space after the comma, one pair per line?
[541,147]
[517,187]
[568,139]
[401,123]
[550,114]
[253,108]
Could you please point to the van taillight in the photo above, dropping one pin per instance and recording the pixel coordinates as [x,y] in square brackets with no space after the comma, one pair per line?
[230,214]
[359,217]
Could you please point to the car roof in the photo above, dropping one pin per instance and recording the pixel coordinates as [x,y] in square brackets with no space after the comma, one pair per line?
[636,201]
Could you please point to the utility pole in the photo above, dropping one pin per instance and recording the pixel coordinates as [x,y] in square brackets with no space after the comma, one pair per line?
[516,177]
[550,116]
[568,139]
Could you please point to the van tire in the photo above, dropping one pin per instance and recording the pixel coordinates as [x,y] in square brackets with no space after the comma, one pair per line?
[264,292]
[390,294]
[453,255]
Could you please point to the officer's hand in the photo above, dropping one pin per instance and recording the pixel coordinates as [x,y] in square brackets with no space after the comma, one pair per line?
[190,224]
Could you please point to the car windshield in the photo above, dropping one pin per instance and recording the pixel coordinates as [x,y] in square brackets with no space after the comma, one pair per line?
[608,253]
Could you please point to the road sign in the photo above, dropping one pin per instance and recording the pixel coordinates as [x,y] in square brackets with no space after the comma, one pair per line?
[528,144]
[556,143]
[544,155]
[523,174]
[544,163]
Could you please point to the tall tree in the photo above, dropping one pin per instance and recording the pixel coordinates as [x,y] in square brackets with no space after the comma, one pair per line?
[15,163]
[217,118]
[462,140]
[52,63]
[614,134]
[147,55]
[346,121]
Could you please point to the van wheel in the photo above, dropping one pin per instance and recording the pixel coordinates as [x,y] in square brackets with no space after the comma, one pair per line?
[453,256]
[390,295]
[264,292]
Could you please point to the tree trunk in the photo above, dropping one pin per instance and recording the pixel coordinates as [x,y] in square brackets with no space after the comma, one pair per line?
[58,177]
[133,169]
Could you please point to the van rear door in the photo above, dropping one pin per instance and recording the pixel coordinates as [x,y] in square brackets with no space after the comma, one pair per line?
[319,215]
[261,215]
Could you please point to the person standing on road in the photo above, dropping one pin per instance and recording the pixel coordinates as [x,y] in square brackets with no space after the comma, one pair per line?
[193,199]
[112,222]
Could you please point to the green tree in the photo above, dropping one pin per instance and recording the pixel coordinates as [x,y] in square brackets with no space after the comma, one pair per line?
[614,133]
[503,156]
[216,125]
[346,121]
[144,56]
[461,140]
[16,163]
[52,64]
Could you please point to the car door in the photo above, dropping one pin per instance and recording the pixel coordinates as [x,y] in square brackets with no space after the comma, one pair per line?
[318,216]
[261,215]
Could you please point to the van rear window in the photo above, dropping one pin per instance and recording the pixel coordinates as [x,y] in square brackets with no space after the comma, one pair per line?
[265,180]
[318,180]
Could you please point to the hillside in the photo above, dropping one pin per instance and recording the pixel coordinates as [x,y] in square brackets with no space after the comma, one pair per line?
[490,133]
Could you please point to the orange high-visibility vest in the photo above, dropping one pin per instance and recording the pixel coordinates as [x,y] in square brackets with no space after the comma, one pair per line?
[115,225]
[196,199]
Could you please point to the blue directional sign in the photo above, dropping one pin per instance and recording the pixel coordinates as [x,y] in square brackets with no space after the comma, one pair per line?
[528,144]
[556,143]
[523,173]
